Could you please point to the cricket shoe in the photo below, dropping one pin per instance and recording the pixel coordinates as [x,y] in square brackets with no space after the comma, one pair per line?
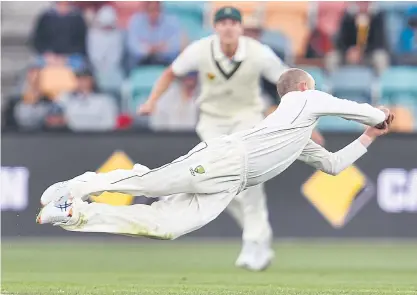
[58,192]
[255,256]
[55,213]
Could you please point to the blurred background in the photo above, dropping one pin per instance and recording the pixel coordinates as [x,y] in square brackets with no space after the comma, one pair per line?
[52,52]
[73,75]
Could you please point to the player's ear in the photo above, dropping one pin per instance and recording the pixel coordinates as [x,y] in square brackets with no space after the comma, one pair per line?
[303,86]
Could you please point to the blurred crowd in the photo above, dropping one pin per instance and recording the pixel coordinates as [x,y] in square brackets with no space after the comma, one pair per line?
[95,62]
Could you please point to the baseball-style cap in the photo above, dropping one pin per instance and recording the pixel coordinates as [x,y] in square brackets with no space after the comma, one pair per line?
[228,12]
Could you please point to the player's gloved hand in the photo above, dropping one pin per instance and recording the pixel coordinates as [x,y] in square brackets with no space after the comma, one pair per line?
[380,129]
[147,108]
[388,117]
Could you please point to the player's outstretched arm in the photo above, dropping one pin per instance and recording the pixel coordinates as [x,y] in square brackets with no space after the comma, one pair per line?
[158,90]
[334,163]
[324,104]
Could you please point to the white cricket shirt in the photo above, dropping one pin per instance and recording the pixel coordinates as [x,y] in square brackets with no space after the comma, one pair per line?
[284,136]
[229,87]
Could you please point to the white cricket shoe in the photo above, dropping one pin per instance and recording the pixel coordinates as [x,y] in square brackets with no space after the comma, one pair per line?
[255,256]
[55,212]
[58,192]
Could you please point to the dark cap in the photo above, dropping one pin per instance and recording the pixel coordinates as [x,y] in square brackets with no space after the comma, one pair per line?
[228,12]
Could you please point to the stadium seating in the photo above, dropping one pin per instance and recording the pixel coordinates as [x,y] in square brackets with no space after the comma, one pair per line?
[190,16]
[56,80]
[185,8]
[338,124]
[399,81]
[279,43]
[139,85]
[291,18]
[319,77]
[353,82]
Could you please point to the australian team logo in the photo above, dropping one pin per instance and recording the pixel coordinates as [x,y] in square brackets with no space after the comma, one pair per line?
[211,76]
[199,170]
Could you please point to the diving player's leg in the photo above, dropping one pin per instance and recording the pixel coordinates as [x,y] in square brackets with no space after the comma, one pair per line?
[166,219]
[61,190]
[169,179]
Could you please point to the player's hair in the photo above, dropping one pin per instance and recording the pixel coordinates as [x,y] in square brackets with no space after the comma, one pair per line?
[290,79]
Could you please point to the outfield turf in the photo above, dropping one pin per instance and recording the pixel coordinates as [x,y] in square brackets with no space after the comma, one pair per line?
[185,267]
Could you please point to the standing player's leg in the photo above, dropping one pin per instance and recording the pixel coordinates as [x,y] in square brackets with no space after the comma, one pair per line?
[248,208]
[209,128]
[256,252]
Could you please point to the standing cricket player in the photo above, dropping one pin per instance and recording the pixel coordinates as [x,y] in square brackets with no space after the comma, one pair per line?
[230,67]
[202,183]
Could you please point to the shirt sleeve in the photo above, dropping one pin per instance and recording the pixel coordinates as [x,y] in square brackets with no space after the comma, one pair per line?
[273,66]
[332,163]
[187,61]
[323,104]
[135,46]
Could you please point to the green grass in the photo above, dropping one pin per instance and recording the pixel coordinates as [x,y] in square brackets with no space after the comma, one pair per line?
[142,268]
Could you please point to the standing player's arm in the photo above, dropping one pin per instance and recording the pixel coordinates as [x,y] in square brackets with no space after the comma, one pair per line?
[272,65]
[272,68]
[186,62]
[322,104]
[334,163]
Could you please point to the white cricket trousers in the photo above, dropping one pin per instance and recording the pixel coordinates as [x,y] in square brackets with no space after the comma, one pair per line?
[200,185]
[249,208]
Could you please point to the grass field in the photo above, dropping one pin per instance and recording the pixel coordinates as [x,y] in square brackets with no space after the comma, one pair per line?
[63,268]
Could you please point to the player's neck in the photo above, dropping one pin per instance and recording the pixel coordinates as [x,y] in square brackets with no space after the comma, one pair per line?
[229,49]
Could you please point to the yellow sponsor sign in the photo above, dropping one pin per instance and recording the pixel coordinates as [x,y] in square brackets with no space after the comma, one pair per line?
[118,160]
[335,196]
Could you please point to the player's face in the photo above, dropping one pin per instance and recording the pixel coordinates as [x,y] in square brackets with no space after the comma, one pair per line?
[229,30]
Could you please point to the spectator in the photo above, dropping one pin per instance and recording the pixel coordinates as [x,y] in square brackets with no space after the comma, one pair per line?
[407,47]
[29,110]
[89,8]
[60,35]
[125,10]
[105,50]
[85,109]
[361,38]
[176,110]
[328,18]
[153,37]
